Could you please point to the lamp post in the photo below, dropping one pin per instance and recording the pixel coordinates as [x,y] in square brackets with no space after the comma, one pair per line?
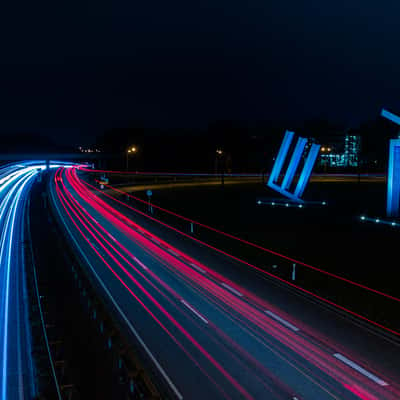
[220,159]
[129,151]
[325,150]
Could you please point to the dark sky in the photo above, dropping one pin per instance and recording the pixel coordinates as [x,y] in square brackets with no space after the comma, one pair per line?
[75,67]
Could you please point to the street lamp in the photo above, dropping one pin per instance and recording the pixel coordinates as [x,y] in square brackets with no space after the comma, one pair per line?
[219,164]
[129,151]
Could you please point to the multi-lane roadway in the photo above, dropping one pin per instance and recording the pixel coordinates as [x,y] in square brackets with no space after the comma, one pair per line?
[211,329]
[16,368]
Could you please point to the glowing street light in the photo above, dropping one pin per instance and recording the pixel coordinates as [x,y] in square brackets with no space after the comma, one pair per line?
[130,150]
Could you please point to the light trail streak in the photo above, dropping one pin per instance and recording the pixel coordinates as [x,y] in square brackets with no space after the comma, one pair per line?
[349,281]
[17,379]
[258,269]
[10,211]
[165,313]
[186,333]
[247,310]
[163,327]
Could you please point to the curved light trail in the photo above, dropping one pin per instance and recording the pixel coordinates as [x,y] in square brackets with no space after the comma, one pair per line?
[17,371]
[17,375]
[208,335]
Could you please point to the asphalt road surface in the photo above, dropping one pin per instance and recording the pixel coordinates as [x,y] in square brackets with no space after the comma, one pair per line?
[211,329]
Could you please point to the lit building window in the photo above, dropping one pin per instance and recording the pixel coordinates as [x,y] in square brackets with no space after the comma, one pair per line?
[349,157]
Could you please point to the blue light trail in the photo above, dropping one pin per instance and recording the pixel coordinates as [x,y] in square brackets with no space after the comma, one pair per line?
[17,379]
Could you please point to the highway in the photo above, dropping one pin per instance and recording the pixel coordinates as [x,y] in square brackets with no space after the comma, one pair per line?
[210,330]
[17,369]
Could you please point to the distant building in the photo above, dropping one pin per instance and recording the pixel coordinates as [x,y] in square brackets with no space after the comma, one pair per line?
[341,155]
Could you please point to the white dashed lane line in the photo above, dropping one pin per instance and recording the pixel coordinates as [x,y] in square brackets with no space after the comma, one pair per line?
[197,268]
[360,369]
[173,253]
[140,263]
[194,311]
[231,289]
[282,321]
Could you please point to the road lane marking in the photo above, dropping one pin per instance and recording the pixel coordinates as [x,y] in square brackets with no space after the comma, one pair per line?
[173,252]
[156,241]
[194,311]
[112,237]
[198,268]
[282,321]
[360,369]
[123,315]
[140,263]
[225,285]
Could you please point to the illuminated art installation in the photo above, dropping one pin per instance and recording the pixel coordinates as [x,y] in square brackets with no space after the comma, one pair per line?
[393,178]
[284,186]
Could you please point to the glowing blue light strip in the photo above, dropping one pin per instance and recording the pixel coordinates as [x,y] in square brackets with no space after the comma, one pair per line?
[280,159]
[285,193]
[307,169]
[13,185]
[294,163]
[6,256]
[393,180]
[390,116]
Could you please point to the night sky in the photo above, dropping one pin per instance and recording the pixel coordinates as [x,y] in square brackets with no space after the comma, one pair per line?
[75,68]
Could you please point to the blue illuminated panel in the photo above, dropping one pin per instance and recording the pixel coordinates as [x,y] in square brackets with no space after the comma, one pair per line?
[393,181]
[307,169]
[294,163]
[280,159]
[390,116]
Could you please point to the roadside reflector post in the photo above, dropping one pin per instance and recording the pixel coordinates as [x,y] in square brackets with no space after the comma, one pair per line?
[191,227]
[149,194]
[294,272]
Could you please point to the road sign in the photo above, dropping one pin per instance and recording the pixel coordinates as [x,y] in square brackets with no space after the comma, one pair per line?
[149,193]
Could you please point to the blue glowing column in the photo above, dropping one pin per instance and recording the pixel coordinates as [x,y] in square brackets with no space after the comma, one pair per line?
[280,159]
[307,169]
[390,116]
[294,163]
[393,180]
